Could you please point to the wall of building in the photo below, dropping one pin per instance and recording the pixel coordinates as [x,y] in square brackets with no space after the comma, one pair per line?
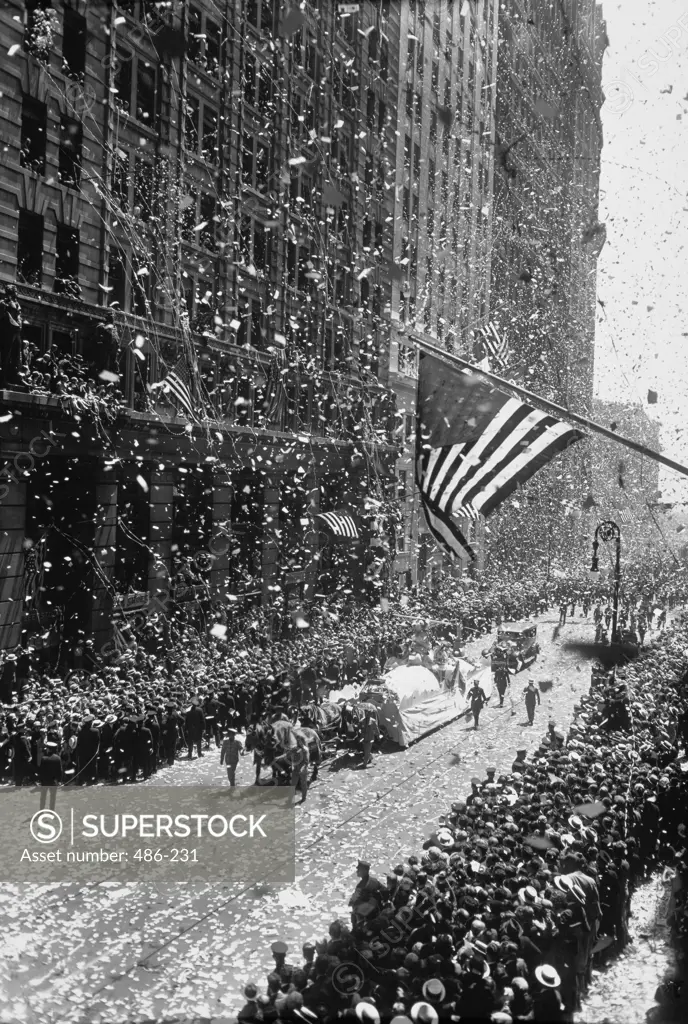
[222,205]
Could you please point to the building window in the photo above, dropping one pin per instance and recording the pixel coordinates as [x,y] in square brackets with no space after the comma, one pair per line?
[384,60]
[401,484]
[381,117]
[143,189]
[30,247]
[192,114]
[264,88]
[73,44]
[66,260]
[260,14]
[206,233]
[71,138]
[251,333]
[209,140]
[255,163]
[145,93]
[117,280]
[120,179]
[370,110]
[123,80]
[194,45]
[33,135]
[369,169]
[213,45]
[311,64]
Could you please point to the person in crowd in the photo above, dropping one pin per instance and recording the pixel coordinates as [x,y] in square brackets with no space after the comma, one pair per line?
[502,675]
[194,726]
[476,699]
[531,695]
[232,750]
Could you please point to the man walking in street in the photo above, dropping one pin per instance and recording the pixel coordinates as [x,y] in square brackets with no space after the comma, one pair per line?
[476,697]
[563,609]
[195,726]
[370,734]
[532,696]
[232,749]
[298,761]
[502,675]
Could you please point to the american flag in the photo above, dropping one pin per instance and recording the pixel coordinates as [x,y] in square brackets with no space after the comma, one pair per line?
[475,445]
[341,523]
[276,397]
[624,515]
[178,382]
[494,346]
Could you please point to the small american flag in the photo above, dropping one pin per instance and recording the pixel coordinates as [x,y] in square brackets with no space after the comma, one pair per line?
[341,523]
[495,346]
[177,383]
[624,515]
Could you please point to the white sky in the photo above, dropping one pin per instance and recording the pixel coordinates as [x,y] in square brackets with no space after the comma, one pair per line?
[643,269]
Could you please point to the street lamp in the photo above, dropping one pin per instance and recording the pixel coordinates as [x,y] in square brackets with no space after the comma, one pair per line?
[607,531]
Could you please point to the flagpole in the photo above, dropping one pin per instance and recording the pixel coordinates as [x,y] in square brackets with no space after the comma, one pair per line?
[546,406]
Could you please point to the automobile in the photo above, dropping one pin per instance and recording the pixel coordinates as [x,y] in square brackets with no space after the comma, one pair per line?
[517,643]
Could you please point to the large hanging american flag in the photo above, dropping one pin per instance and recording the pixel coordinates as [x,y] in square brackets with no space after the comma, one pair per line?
[474,446]
[178,383]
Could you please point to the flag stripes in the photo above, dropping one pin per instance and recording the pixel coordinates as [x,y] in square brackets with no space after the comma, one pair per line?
[475,446]
[494,346]
[341,524]
[178,382]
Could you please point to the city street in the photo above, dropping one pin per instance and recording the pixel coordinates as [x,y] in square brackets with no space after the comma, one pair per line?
[112,952]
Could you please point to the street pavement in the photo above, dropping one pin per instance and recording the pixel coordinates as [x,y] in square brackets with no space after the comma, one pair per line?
[116,952]
[624,990]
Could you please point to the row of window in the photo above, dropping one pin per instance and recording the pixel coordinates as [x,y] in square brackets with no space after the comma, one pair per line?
[33,143]
[30,252]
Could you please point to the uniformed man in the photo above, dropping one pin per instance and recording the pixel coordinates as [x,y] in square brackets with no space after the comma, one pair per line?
[232,749]
[298,760]
[502,675]
[519,765]
[282,968]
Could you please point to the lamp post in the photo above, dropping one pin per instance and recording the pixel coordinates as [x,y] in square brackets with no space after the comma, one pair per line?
[607,531]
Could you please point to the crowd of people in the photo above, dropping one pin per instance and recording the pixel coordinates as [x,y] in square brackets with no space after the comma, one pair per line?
[172,691]
[525,882]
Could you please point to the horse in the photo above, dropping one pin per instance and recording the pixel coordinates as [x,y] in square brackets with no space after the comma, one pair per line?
[271,741]
[326,718]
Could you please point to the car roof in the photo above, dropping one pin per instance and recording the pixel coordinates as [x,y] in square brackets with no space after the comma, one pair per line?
[516,627]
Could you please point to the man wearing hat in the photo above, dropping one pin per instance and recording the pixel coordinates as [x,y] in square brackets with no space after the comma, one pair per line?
[282,968]
[531,695]
[368,890]
[232,750]
[194,727]
[49,772]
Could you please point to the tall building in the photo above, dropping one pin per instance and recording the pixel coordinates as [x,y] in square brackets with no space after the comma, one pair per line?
[546,240]
[625,484]
[546,234]
[196,206]
[442,216]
